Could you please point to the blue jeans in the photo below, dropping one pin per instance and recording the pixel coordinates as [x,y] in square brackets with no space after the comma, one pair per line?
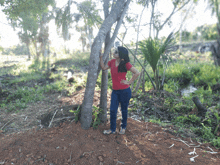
[123,97]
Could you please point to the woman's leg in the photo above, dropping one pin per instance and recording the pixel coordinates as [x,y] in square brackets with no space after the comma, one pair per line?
[125,97]
[113,110]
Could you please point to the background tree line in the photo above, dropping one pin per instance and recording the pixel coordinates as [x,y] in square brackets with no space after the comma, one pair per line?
[201,33]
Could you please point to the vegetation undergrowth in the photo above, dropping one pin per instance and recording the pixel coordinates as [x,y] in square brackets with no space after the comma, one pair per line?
[186,70]
[95,113]
[30,83]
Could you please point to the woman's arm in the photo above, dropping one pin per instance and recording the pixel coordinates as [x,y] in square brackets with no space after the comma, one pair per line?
[134,77]
[103,65]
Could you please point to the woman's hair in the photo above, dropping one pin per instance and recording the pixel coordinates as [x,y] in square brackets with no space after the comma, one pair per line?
[123,55]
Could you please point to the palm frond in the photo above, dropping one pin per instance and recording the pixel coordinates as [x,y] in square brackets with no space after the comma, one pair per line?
[167,43]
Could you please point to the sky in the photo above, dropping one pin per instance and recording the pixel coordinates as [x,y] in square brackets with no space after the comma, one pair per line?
[200,17]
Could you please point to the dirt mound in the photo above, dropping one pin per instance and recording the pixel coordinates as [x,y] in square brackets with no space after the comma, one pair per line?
[143,143]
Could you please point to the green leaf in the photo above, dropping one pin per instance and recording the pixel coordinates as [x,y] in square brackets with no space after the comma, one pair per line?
[153,49]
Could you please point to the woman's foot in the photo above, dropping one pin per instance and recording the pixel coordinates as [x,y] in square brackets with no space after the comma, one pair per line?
[122,131]
[107,132]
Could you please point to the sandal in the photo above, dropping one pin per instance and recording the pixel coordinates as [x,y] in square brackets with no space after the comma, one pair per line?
[107,132]
[122,131]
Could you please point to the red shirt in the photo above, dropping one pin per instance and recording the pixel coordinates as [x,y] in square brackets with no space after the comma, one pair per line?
[118,76]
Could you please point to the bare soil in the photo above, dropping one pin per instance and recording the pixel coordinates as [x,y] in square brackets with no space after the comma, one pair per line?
[143,143]
[28,142]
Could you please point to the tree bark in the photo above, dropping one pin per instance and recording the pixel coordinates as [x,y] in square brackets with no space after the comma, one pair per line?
[201,109]
[103,96]
[138,83]
[153,3]
[29,54]
[117,11]
[104,86]
[0,87]
[143,80]
[215,48]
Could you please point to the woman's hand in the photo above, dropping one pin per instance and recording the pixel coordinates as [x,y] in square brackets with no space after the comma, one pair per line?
[125,82]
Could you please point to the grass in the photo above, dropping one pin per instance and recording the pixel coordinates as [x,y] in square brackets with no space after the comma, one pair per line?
[29,83]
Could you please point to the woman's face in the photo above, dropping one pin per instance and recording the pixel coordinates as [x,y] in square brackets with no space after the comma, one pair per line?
[116,54]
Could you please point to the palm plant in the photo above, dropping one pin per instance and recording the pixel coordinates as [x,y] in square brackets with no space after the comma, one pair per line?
[153,49]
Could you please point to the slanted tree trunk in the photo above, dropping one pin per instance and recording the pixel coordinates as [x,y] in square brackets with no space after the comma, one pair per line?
[143,80]
[137,39]
[201,109]
[118,10]
[138,83]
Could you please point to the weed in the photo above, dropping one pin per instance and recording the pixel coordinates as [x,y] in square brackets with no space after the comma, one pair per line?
[216,114]
[153,119]
[76,113]
[96,120]
[190,119]
[171,86]
[216,142]
[207,132]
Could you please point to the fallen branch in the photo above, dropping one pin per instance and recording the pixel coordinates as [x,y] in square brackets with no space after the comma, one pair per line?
[192,159]
[193,153]
[186,143]
[171,146]
[210,149]
[58,119]
[52,118]
[181,141]
[212,152]
[6,124]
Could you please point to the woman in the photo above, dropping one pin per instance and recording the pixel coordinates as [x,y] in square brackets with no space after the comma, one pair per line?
[121,92]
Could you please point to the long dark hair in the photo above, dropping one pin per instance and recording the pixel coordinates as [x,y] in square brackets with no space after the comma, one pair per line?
[123,55]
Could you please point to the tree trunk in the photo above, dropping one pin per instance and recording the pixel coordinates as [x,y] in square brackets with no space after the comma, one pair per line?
[103,96]
[117,11]
[137,39]
[152,15]
[143,80]
[36,51]
[215,48]
[138,83]
[48,57]
[201,109]
[29,54]
[143,83]
[104,86]
[0,87]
